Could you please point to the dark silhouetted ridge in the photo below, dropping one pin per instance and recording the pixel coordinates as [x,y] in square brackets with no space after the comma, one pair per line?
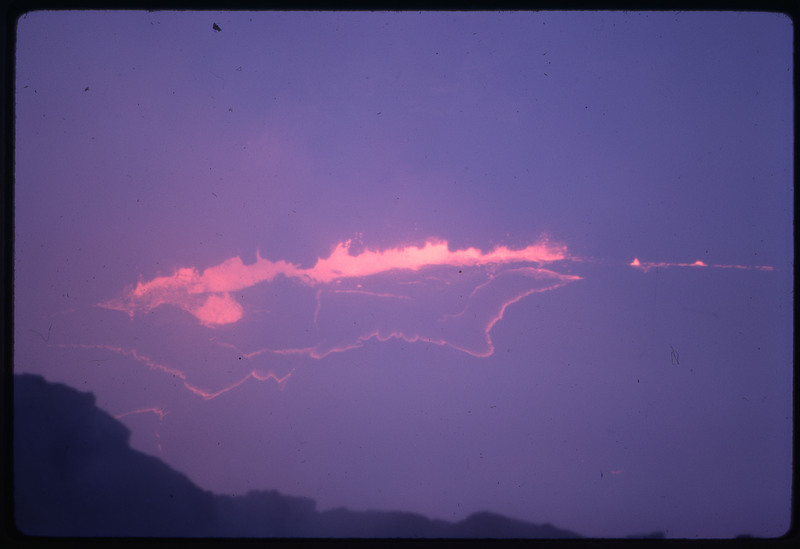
[478,525]
[76,475]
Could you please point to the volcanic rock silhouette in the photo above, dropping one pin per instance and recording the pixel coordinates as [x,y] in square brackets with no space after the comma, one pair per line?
[76,475]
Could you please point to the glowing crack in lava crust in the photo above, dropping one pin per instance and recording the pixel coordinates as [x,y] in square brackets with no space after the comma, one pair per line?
[425,293]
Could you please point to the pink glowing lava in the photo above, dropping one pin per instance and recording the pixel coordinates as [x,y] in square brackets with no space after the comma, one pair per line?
[426,293]
[653,265]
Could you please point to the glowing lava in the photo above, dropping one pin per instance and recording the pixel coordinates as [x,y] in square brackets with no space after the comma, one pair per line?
[652,265]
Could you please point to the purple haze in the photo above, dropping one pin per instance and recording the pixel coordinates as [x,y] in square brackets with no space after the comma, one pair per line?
[605,399]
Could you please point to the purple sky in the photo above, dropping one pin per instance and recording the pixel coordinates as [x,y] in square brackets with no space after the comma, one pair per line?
[522,366]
